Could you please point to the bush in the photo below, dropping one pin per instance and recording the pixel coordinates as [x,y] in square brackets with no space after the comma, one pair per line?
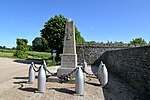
[21,54]
[50,63]
[21,48]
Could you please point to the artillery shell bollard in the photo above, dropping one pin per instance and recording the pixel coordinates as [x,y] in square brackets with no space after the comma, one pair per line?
[79,82]
[100,70]
[31,74]
[84,65]
[44,64]
[41,79]
[103,75]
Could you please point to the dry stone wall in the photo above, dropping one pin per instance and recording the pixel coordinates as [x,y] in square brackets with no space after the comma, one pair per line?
[92,52]
[131,65]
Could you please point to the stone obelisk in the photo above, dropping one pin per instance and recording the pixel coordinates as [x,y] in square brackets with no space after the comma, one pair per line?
[69,56]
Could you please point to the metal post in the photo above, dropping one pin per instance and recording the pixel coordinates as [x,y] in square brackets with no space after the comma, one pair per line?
[31,74]
[44,64]
[41,79]
[99,72]
[85,65]
[79,82]
[103,75]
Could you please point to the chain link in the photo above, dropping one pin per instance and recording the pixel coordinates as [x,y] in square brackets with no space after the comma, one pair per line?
[86,72]
[36,68]
[64,77]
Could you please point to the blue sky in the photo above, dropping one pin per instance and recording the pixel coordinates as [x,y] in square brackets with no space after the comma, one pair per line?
[97,20]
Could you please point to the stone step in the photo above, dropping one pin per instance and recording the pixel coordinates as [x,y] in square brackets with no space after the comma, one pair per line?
[56,79]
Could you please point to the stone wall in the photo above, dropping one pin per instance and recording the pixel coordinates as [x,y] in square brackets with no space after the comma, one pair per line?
[92,52]
[131,65]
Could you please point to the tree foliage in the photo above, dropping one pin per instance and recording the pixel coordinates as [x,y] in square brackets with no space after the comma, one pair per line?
[78,37]
[138,41]
[3,47]
[54,30]
[21,48]
[39,44]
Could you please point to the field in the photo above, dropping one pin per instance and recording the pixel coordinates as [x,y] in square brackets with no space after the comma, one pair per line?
[31,54]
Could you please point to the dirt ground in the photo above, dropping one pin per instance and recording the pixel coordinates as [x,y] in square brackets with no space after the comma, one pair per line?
[14,86]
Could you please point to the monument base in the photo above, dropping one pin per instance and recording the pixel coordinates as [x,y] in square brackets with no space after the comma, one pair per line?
[57,80]
[65,70]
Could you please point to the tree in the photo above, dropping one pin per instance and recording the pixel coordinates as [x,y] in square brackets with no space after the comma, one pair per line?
[53,32]
[21,48]
[138,41]
[119,43]
[78,37]
[39,44]
[91,42]
[13,48]
[30,48]
[4,47]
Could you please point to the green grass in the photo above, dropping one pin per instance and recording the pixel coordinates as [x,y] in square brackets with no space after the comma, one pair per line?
[8,55]
[38,55]
[31,54]
[7,51]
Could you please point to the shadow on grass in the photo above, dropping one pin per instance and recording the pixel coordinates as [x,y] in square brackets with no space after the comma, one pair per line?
[28,61]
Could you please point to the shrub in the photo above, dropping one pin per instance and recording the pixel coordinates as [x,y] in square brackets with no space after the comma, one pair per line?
[21,48]
[21,54]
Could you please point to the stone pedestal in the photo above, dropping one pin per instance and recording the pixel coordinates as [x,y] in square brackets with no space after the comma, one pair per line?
[69,56]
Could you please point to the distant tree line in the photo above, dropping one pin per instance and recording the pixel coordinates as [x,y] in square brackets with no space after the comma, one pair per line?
[52,37]
[3,47]
[40,44]
[136,41]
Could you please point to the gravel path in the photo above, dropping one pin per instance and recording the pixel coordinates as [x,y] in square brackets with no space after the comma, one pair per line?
[14,77]
[13,85]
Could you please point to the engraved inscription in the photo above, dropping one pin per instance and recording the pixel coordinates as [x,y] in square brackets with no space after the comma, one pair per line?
[69,33]
[68,60]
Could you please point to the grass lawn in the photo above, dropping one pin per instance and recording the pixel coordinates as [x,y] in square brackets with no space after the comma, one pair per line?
[6,54]
[38,55]
[31,55]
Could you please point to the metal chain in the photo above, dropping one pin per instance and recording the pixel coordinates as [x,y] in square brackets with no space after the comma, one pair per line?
[35,66]
[44,69]
[48,71]
[66,77]
[86,72]
[35,69]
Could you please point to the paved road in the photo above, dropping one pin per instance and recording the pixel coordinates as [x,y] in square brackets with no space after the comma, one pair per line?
[14,77]
[13,85]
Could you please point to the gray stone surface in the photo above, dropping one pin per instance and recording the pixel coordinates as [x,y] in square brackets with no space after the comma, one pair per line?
[92,52]
[69,56]
[132,66]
